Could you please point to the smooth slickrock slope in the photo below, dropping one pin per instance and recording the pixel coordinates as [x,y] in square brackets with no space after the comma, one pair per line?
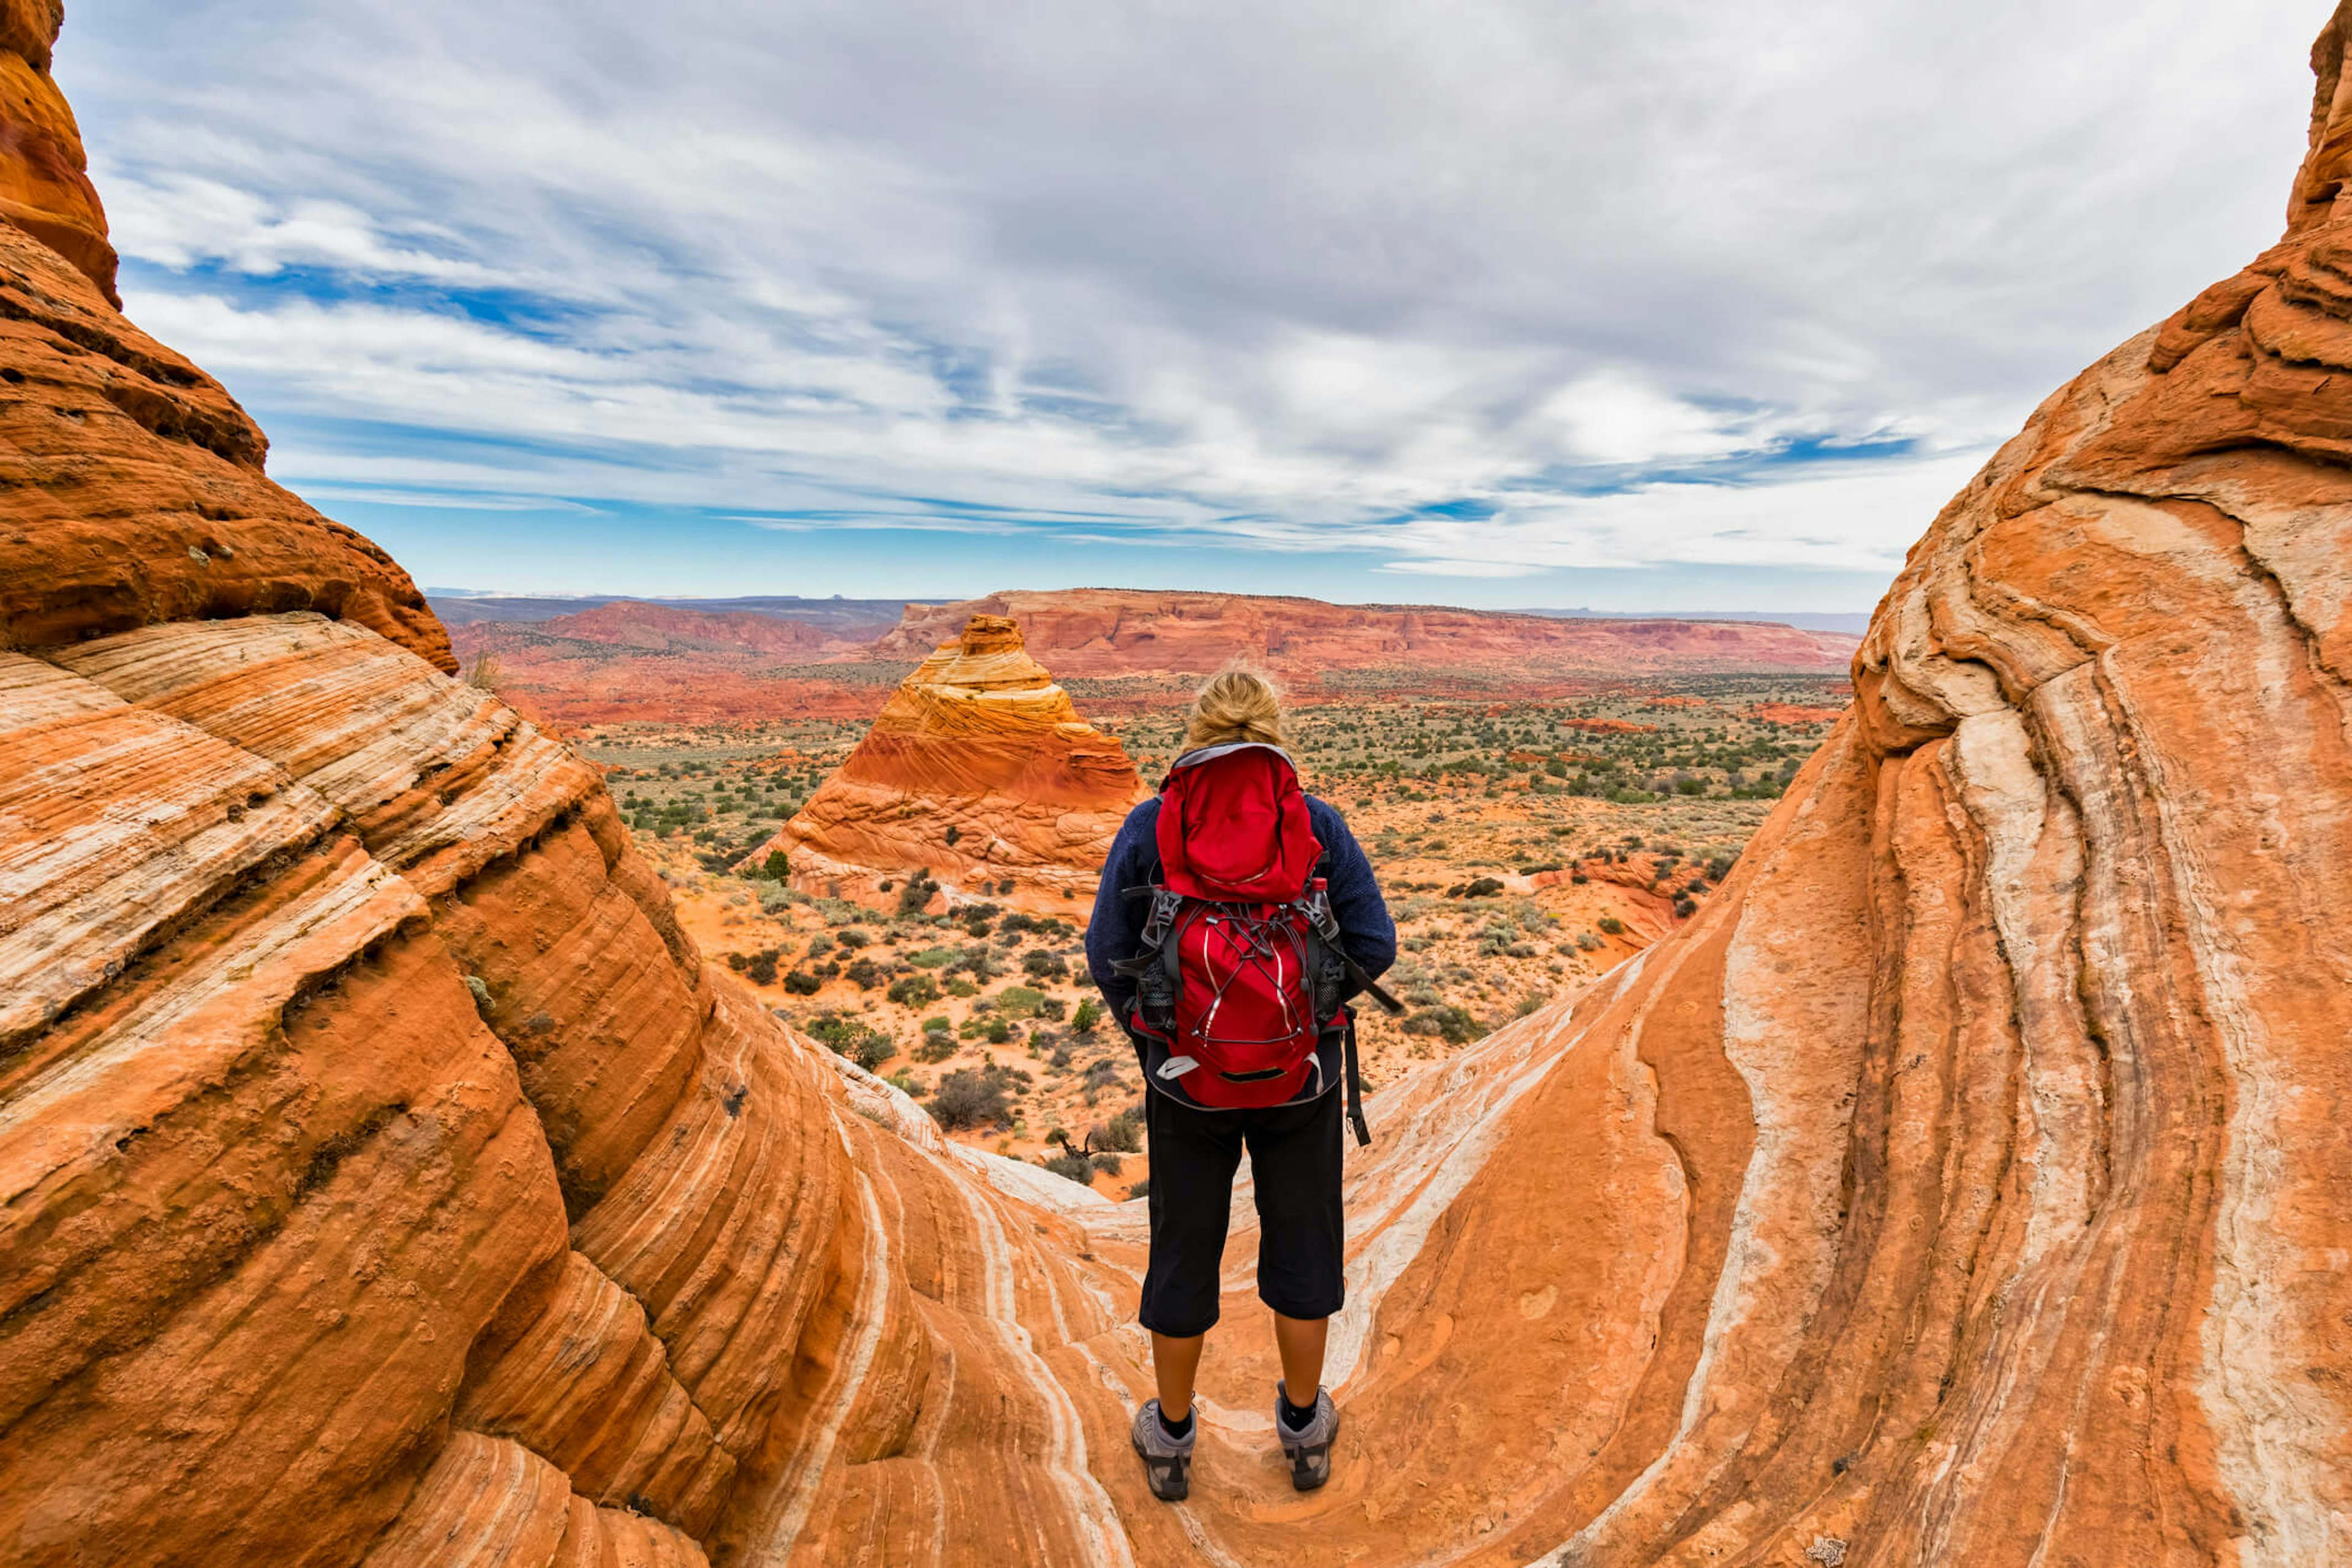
[977,771]
[384,1180]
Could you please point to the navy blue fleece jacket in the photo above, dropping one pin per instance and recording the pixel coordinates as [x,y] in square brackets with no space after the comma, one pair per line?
[1115,930]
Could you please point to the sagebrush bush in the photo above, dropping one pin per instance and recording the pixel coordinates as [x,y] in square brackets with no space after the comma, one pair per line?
[1123,1133]
[1453,1024]
[916,990]
[973,1097]
[1074,1167]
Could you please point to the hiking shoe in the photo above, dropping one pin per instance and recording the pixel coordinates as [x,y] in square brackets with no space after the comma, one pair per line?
[1167,1461]
[1308,1448]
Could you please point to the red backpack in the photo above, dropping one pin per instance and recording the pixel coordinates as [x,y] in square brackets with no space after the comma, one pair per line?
[1241,970]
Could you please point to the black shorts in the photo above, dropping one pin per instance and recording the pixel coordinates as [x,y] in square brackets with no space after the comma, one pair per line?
[1294,1153]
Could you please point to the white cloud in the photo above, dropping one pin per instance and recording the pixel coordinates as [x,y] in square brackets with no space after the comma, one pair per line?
[1276,274]
[1463,568]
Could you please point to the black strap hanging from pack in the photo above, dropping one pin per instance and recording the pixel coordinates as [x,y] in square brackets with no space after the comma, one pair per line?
[1356,1091]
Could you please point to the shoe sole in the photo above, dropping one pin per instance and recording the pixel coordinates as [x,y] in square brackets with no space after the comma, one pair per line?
[1176,1485]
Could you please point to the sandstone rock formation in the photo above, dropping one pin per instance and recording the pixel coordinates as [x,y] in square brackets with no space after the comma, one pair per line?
[978,772]
[1123,631]
[383,1180]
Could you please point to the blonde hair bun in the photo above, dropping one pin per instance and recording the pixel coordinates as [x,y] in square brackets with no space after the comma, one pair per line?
[1236,705]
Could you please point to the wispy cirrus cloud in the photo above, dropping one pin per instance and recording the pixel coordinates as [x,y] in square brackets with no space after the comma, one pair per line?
[1490,294]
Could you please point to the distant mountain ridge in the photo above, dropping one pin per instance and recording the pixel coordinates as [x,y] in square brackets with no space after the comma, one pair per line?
[1852,623]
[462,608]
[465,607]
[772,657]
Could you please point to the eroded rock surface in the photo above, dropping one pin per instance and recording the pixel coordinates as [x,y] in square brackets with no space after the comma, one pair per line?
[384,1179]
[978,772]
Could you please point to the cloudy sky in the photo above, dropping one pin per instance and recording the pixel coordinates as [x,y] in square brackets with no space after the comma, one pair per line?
[1640,304]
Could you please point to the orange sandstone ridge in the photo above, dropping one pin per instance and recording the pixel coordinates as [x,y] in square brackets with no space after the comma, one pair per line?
[979,772]
[384,1179]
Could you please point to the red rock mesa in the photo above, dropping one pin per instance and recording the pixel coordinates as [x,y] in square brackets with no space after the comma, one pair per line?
[1123,631]
[979,772]
[384,1180]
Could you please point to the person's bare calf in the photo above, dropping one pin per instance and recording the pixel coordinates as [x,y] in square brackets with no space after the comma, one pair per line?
[1300,1341]
[1175,1364]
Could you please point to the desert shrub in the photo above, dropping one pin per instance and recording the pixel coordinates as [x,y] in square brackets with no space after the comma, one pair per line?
[996,1032]
[1719,868]
[1481,887]
[777,867]
[865,973]
[1060,1060]
[819,945]
[1528,1003]
[917,990]
[916,893]
[932,957]
[1088,1014]
[1587,942]
[934,1048]
[1141,1189]
[1044,964]
[801,983]
[1611,924]
[775,896]
[1684,908]
[1690,786]
[1453,1024]
[1108,1164]
[958,987]
[869,1046]
[1019,1001]
[1123,1132]
[938,1024]
[852,936]
[1074,1167]
[977,961]
[1017,921]
[1052,1007]
[973,1097]
[761,969]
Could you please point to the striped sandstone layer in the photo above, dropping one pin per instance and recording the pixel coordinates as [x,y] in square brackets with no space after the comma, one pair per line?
[979,772]
[383,1178]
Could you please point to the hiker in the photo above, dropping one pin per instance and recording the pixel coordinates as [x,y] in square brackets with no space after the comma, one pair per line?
[1236,918]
